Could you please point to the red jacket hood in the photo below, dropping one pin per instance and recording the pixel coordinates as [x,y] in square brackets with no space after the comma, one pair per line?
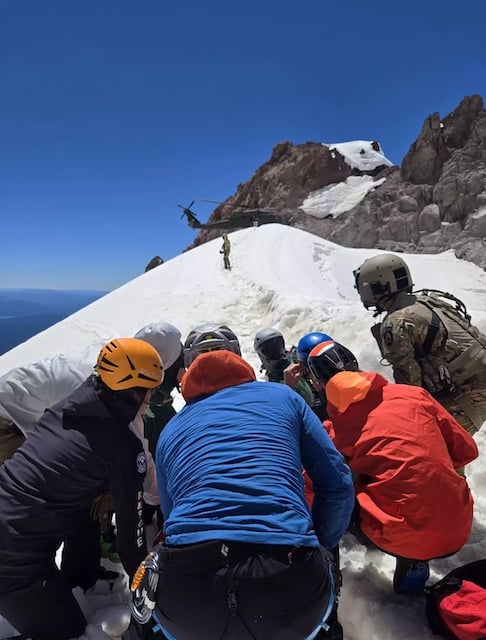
[348,387]
[213,371]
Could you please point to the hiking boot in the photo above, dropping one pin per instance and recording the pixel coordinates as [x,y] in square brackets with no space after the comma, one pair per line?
[410,576]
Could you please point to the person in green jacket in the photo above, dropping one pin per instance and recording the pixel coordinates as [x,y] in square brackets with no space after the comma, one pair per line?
[166,339]
[269,344]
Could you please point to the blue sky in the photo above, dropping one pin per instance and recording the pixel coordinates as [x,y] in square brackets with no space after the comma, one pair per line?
[114,112]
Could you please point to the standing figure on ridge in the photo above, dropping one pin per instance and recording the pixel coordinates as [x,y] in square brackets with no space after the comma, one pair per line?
[225,250]
[427,337]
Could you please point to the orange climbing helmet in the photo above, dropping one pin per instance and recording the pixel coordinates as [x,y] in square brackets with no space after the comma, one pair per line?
[126,363]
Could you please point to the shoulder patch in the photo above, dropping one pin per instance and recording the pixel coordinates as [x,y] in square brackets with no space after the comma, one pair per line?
[141,462]
[388,337]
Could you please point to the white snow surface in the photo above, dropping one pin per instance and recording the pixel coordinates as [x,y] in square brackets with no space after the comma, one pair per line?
[294,281]
[360,154]
[334,199]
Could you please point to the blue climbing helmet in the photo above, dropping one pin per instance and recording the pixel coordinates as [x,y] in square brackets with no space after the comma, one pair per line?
[308,342]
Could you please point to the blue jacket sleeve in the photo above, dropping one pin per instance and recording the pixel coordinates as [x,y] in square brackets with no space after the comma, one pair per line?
[332,480]
[165,499]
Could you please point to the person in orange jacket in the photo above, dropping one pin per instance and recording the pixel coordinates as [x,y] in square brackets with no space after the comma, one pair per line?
[403,448]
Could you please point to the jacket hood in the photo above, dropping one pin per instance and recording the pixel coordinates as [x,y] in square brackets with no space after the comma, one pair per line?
[93,399]
[165,338]
[348,387]
[213,371]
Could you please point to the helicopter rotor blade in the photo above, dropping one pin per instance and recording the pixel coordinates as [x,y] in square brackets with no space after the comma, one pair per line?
[233,206]
[186,211]
[214,201]
[188,207]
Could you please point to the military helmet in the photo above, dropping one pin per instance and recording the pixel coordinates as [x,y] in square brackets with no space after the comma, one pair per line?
[209,336]
[381,276]
[328,358]
[308,342]
[269,343]
[127,363]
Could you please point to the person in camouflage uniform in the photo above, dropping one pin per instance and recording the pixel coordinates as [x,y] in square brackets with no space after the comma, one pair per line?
[427,337]
[225,250]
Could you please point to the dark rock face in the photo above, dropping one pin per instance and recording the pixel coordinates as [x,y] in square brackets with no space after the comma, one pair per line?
[425,159]
[155,262]
[434,202]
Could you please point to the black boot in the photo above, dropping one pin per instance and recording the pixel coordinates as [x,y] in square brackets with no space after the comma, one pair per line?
[410,576]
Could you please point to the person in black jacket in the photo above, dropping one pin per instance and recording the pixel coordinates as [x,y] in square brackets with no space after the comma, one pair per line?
[79,449]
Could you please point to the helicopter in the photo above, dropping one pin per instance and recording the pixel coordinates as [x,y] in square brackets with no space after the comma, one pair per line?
[247,217]
[249,211]
[192,220]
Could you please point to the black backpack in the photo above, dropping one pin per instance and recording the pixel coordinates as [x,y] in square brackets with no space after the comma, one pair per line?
[456,605]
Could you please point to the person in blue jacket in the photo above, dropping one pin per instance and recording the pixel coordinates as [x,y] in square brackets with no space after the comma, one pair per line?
[244,557]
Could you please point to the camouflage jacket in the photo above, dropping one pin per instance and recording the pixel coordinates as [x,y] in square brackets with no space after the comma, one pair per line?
[403,334]
[226,247]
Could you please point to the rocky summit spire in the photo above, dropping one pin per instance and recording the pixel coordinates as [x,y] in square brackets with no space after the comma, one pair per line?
[434,202]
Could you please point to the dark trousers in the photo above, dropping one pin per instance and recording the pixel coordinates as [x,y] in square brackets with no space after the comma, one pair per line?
[43,610]
[241,591]
[35,597]
[81,553]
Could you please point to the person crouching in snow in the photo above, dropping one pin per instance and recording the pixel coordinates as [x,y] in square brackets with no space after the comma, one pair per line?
[403,448]
[243,556]
[79,449]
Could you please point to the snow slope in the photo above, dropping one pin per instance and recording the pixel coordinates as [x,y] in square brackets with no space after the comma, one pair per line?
[296,282]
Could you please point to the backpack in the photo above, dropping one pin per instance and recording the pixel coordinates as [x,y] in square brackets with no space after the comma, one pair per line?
[456,605]
[447,310]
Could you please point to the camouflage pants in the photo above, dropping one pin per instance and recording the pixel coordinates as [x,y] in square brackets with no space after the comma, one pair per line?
[468,407]
[10,439]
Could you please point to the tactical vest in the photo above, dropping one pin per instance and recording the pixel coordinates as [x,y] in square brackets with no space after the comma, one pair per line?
[463,347]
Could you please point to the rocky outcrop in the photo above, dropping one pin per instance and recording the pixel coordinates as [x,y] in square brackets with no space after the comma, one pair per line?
[423,163]
[434,202]
[449,191]
[283,182]
[155,262]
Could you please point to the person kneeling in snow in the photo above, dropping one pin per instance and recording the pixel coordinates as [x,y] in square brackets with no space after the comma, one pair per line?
[26,392]
[49,485]
[403,448]
[243,556]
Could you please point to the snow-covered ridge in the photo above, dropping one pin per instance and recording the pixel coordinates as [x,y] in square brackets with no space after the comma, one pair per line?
[364,155]
[296,282]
